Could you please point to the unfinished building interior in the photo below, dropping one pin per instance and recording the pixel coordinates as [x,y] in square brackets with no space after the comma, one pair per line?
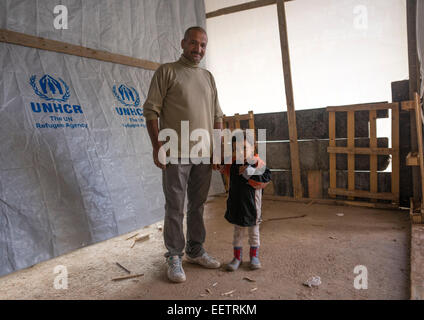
[79,189]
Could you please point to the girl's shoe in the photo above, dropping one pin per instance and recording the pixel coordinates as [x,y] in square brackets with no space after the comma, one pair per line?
[254,260]
[235,263]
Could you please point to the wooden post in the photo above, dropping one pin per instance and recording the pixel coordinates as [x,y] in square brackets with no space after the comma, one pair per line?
[419,125]
[351,156]
[332,143]
[411,21]
[373,157]
[396,152]
[291,114]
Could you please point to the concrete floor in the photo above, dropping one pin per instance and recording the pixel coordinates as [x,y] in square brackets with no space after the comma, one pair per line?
[293,250]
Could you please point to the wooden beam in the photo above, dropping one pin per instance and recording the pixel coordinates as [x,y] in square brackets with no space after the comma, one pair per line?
[370,151]
[362,194]
[71,49]
[365,106]
[351,156]
[411,22]
[332,144]
[419,126]
[241,7]
[373,157]
[291,114]
[395,153]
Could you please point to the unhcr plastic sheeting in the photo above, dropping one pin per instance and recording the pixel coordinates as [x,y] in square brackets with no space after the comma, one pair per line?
[75,158]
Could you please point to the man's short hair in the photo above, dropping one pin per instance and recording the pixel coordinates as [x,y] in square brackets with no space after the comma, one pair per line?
[197,28]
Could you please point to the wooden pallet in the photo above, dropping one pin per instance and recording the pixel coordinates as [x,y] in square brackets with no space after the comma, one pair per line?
[373,151]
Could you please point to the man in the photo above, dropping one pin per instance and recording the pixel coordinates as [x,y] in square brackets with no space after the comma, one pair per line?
[182,91]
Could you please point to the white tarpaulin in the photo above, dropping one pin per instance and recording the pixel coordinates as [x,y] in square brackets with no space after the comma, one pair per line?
[75,157]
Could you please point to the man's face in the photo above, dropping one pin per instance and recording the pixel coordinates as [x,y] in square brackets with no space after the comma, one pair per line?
[194,47]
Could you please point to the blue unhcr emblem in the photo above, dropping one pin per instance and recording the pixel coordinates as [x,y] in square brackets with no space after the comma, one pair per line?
[128,96]
[51,89]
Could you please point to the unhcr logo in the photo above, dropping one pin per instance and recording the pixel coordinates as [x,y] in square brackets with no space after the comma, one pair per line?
[55,91]
[129,97]
[51,89]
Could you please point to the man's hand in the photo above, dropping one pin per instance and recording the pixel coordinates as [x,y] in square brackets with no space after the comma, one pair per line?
[159,157]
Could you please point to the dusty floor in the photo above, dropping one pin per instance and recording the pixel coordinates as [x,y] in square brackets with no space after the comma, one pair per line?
[293,250]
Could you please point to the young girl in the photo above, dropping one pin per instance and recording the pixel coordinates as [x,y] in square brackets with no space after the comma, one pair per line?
[244,199]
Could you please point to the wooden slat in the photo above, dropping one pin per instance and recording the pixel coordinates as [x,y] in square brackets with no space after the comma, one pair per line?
[71,49]
[315,184]
[370,151]
[332,142]
[362,194]
[395,154]
[408,105]
[291,115]
[373,156]
[240,7]
[351,157]
[418,116]
[237,120]
[365,106]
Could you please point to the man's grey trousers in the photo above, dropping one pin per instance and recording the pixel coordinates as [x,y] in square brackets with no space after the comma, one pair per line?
[177,179]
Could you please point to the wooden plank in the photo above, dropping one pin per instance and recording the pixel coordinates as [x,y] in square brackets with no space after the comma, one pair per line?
[413,67]
[418,115]
[408,105]
[291,115]
[308,201]
[351,157]
[314,155]
[315,184]
[395,153]
[312,124]
[373,156]
[363,107]
[71,49]
[361,194]
[332,143]
[370,151]
[237,120]
[240,7]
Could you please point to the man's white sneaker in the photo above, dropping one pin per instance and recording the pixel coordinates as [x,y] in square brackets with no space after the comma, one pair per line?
[206,261]
[175,269]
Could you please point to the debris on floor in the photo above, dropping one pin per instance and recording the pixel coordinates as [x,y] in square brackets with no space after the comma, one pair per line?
[140,239]
[249,279]
[123,268]
[312,282]
[285,218]
[128,277]
[340,214]
[253,289]
[214,284]
[331,237]
[229,293]
[208,290]
[134,235]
